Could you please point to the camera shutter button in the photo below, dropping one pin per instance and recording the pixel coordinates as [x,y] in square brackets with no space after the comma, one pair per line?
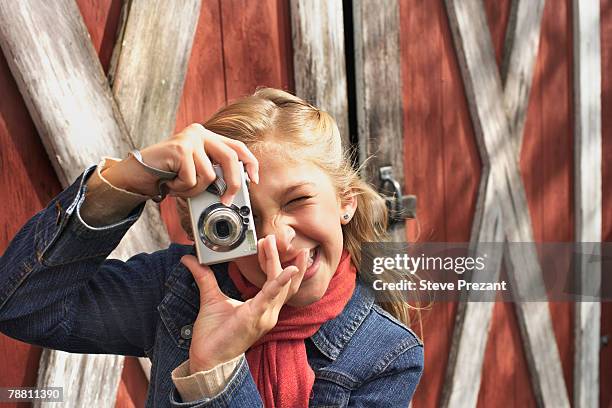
[217,187]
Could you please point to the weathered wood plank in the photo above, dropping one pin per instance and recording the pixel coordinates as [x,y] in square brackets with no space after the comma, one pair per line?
[63,85]
[378,90]
[148,69]
[69,370]
[521,50]
[318,57]
[67,95]
[38,49]
[588,197]
[494,132]
[473,319]
[466,360]
[145,364]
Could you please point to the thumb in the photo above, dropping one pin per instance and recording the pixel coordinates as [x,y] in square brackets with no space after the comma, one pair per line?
[204,278]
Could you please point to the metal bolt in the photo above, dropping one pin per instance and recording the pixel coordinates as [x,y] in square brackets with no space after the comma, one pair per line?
[186,331]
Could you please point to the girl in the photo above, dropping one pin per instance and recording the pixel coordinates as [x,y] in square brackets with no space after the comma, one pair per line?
[292,326]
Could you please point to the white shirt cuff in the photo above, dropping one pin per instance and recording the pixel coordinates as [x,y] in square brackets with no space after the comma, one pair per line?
[203,384]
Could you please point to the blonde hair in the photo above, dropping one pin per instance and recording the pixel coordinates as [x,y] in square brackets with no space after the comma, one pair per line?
[312,134]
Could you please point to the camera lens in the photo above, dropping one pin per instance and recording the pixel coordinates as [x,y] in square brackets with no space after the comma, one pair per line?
[221,228]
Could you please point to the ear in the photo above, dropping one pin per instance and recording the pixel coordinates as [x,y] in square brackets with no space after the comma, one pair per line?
[348,206]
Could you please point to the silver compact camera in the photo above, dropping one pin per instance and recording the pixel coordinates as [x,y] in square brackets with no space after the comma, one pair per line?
[222,233]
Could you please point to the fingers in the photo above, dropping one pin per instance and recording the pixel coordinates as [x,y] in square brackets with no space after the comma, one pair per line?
[261,255]
[228,159]
[272,260]
[205,173]
[274,292]
[302,265]
[203,146]
[186,177]
[251,163]
[204,278]
[281,283]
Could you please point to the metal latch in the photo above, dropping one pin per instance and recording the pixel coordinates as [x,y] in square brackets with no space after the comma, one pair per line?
[400,206]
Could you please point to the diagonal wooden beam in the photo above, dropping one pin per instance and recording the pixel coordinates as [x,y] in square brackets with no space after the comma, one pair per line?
[62,83]
[520,55]
[61,80]
[149,65]
[467,352]
[498,115]
[473,318]
[319,65]
[49,41]
[588,198]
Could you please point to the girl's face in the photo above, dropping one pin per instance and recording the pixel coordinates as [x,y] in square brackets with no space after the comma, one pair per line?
[299,205]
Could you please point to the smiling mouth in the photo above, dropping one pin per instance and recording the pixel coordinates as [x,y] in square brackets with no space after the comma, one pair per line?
[312,256]
[313,263]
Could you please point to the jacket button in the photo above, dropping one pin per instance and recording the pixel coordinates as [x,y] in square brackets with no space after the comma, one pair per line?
[186,331]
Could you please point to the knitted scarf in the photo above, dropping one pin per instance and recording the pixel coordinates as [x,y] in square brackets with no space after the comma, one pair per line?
[278,360]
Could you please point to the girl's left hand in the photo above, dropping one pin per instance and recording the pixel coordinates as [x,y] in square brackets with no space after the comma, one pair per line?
[225,327]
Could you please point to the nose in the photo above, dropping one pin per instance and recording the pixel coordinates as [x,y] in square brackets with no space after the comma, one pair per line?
[283,231]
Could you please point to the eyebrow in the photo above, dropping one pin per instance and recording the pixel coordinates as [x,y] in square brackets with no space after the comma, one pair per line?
[294,187]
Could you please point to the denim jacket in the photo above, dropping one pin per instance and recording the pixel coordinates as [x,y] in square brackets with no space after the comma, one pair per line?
[58,290]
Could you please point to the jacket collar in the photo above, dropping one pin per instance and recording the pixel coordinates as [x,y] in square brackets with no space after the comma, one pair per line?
[333,335]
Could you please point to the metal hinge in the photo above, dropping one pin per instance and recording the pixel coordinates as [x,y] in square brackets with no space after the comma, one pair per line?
[400,206]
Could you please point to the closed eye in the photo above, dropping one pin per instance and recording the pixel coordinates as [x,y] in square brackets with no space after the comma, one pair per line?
[299,199]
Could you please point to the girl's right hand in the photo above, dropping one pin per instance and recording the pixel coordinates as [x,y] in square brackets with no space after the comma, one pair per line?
[189,154]
[225,328]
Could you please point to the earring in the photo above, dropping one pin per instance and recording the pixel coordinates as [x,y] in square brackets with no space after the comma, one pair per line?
[346,216]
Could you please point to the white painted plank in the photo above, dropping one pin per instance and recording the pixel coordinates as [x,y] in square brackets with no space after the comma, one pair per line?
[319,63]
[82,376]
[473,319]
[521,50]
[588,197]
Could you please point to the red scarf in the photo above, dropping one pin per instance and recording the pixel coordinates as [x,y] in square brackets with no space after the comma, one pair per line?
[278,360]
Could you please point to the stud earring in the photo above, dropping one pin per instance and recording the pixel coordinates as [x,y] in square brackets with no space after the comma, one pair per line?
[346,216]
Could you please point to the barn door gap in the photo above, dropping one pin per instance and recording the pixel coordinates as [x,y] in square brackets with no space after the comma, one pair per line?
[349,50]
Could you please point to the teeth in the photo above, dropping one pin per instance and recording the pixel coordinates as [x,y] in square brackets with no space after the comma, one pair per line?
[311,257]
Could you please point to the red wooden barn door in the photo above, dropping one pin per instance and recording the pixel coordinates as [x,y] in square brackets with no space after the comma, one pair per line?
[443,170]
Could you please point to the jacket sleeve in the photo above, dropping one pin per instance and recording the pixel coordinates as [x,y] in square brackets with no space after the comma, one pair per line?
[57,289]
[395,384]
